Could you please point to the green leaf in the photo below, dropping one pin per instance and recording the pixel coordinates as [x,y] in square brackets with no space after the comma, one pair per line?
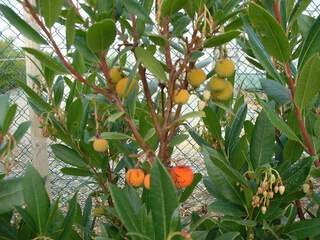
[276,91]
[262,141]
[38,100]
[68,155]
[36,198]
[70,27]
[311,44]
[137,9]
[228,236]
[47,60]
[9,118]
[279,123]
[188,191]
[220,39]
[292,151]
[114,136]
[212,122]
[124,210]
[58,90]
[74,116]
[180,26]
[170,7]
[296,174]
[151,63]
[226,208]
[101,35]
[4,106]
[271,33]
[259,51]
[21,131]
[69,220]
[76,171]
[163,200]
[24,28]
[308,84]
[176,140]
[50,10]
[304,229]
[220,162]
[11,194]
[232,135]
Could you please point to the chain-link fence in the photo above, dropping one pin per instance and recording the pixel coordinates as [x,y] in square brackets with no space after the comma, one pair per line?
[12,69]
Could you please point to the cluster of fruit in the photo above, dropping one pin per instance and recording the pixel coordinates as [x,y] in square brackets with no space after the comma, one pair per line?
[218,88]
[182,177]
[121,82]
[271,185]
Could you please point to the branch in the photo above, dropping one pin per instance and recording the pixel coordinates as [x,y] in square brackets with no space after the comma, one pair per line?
[78,76]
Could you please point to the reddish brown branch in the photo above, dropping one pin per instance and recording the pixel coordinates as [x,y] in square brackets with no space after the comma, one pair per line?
[78,76]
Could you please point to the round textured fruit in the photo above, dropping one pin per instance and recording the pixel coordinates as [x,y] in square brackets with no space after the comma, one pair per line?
[115,74]
[181,97]
[122,89]
[225,94]
[217,84]
[135,177]
[196,77]
[225,68]
[146,181]
[182,176]
[100,145]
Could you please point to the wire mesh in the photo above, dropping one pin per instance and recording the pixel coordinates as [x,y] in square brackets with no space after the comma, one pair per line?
[12,68]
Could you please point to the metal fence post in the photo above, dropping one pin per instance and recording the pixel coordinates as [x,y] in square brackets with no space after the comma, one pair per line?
[40,157]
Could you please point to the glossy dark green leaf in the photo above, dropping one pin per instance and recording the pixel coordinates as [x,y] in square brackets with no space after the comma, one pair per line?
[232,135]
[114,136]
[311,44]
[276,91]
[179,26]
[124,210]
[292,151]
[50,10]
[240,154]
[151,63]
[163,200]
[220,162]
[75,115]
[11,194]
[279,123]
[101,35]
[271,33]
[76,172]
[4,106]
[24,28]
[228,236]
[11,113]
[221,39]
[137,9]
[68,155]
[58,90]
[304,229]
[21,131]
[296,174]
[69,219]
[47,60]
[70,27]
[170,7]
[259,51]
[226,208]
[262,141]
[36,198]
[212,122]
[308,84]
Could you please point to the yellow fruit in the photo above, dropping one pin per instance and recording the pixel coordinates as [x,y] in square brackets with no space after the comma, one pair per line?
[225,68]
[100,145]
[98,212]
[225,94]
[122,89]
[115,74]
[196,77]
[181,97]
[135,177]
[217,84]
[146,181]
